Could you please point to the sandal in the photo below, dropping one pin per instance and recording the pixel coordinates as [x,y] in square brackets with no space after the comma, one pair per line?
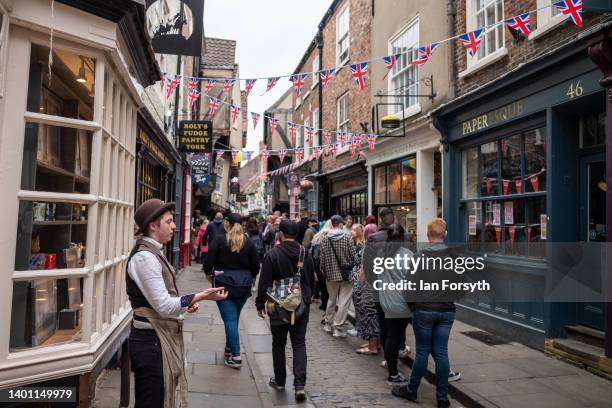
[366,345]
[366,350]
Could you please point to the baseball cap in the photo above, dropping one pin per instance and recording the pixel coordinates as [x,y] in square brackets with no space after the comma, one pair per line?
[234,218]
[289,228]
[336,219]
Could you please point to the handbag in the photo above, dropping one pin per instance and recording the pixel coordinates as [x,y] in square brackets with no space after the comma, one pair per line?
[285,303]
[237,282]
[345,271]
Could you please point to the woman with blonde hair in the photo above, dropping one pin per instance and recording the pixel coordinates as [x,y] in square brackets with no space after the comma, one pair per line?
[232,262]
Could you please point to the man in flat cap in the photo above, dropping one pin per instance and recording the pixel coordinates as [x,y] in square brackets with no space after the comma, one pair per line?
[156,338]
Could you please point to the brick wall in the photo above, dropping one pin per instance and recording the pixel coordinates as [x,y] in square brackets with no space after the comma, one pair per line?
[520,52]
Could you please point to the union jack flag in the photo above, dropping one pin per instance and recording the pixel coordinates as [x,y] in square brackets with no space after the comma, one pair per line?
[292,128]
[326,75]
[273,125]
[220,154]
[265,154]
[249,86]
[318,151]
[309,132]
[425,53]
[298,82]
[572,9]
[214,105]
[353,146]
[281,155]
[227,84]
[360,74]
[234,155]
[172,81]
[194,94]
[520,23]
[327,135]
[249,154]
[334,148]
[298,154]
[471,41]
[255,117]
[340,137]
[271,83]
[371,141]
[193,83]
[235,112]
[209,85]
[390,61]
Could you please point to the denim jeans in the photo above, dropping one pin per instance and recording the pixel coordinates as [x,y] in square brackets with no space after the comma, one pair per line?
[230,313]
[431,332]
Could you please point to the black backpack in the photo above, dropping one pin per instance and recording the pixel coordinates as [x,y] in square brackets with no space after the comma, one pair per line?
[259,244]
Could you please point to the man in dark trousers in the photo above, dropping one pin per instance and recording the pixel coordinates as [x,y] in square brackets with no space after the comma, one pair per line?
[280,263]
[302,225]
[213,229]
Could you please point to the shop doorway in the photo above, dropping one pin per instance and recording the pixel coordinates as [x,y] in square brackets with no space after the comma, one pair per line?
[593,226]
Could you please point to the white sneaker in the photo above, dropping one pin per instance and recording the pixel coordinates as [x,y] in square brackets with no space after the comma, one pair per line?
[453,375]
[339,334]
[352,332]
[327,328]
[383,364]
[404,353]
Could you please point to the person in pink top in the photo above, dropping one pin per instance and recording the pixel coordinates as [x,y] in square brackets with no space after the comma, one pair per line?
[370,226]
[198,242]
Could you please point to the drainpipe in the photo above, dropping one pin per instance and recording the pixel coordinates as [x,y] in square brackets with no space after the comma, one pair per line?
[451,12]
[319,136]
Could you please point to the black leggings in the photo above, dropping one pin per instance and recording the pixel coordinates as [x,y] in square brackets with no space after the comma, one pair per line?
[146,359]
[395,338]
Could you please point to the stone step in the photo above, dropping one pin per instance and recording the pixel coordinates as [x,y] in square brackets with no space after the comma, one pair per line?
[583,354]
[586,334]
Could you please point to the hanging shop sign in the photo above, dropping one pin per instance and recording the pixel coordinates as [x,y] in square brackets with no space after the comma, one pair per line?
[492,118]
[195,136]
[175,26]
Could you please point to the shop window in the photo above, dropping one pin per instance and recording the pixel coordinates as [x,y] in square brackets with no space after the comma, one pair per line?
[151,180]
[515,230]
[394,180]
[409,179]
[489,182]
[470,172]
[511,165]
[593,129]
[535,161]
[475,226]
[342,110]
[342,37]
[537,228]
[404,76]
[380,185]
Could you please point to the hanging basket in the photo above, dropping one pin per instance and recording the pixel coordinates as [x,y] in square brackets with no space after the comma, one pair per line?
[306,185]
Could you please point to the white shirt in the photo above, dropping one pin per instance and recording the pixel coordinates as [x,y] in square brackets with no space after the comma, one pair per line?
[146,271]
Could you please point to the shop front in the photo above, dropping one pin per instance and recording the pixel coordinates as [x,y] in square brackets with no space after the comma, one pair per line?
[345,192]
[68,131]
[525,168]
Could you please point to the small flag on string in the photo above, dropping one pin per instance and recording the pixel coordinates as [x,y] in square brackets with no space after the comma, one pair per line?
[193,83]
[292,128]
[327,148]
[360,74]
[273,125]
[235,112]
[353,146]
[220,154]
[340,137]
[298,82]
[309,132]
[520,23]
[390,61]
[271,83]
[214,105]
[249,85]
[327,135]
[172,81]
[249,154]
[298,154]
[209,85]
[227,84]
[471,41]
[234,155]
[425,53]
[281,155]
[318,151]
[371,141]
[335,149]
[572,9]
[255,117]
[194,94]
[265,154]
[326,75]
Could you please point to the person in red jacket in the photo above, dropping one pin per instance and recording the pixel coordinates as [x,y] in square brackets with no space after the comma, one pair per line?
[199,242]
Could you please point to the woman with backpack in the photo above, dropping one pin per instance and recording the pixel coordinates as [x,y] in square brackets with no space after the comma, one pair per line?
[232,262]
[256,238]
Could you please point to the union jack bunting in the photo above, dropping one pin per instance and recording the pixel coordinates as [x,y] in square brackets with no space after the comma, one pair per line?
[234,155]
[371,141]
[227,84]
[298,82]
[334,148]
[249,154]
[193,83]
[353,146]
[309,132]
[520,23]
[360,74]
[281,155]
[327,136]
[273,125]
[194,94]
[326,75]
[255,117]
[471,41]
[249,85]
[271,83]
[425,53]
[209,85]
[220,154]
[172,81]
[327,148]
[572,9]
[214,105]
[298,154]
[235,112]
[318,151]
[390,61]
[340,137]
[292,128]
[265,154]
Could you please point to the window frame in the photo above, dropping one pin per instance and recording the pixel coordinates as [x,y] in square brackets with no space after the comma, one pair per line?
[475,63]
[546,21]
[315,74]
[4,39]
[415,108]
[306,145]
[342,126]
[340,39]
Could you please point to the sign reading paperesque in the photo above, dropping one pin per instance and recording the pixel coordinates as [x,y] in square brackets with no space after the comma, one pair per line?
[195,136]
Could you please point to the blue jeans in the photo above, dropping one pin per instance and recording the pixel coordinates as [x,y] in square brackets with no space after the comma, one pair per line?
[431,332]
[230,313]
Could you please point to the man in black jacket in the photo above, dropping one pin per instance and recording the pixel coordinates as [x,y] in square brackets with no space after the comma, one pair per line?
[280,263]
[213,229]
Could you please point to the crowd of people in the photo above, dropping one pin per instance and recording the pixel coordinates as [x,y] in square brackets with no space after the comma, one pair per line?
[291,265]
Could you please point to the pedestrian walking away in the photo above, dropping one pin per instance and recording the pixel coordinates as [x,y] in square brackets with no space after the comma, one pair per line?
[232,262]
[199,242]
[287,266]
[156,337]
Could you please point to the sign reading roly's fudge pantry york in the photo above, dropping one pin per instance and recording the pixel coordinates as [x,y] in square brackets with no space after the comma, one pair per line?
[195,136]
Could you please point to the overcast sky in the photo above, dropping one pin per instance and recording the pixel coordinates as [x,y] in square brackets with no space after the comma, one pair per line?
[271,38]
